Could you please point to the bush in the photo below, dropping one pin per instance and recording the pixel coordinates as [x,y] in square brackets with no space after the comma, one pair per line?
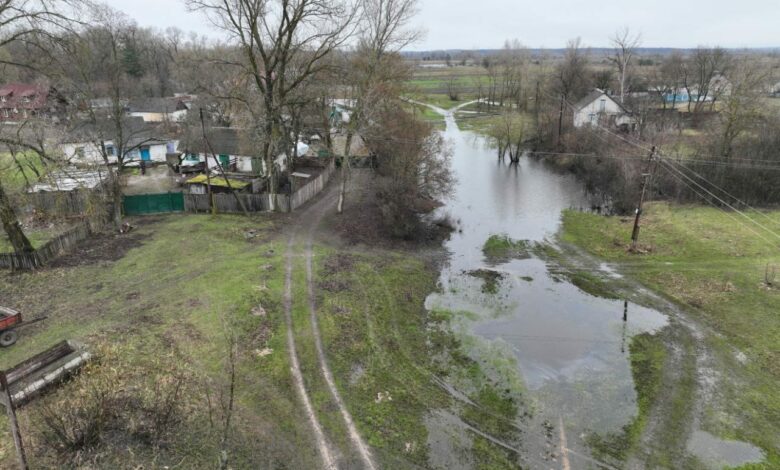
[112,402]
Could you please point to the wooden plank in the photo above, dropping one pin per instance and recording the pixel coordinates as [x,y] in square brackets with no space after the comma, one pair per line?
[38,362]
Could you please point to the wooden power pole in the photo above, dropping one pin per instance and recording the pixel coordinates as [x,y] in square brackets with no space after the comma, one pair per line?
[650,166]
[17,434]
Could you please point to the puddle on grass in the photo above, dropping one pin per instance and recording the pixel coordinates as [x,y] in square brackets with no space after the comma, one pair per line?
[718,453]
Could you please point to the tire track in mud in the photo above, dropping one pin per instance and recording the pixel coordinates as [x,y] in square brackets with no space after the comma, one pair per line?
[322,445]
[317,212]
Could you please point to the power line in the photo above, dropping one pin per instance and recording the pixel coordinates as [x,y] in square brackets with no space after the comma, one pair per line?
[722,201]
[667,168]
[729,194]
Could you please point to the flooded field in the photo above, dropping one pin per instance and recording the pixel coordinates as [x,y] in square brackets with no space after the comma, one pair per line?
[569,349]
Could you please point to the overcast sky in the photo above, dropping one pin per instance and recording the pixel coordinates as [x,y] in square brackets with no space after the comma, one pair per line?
[470,24]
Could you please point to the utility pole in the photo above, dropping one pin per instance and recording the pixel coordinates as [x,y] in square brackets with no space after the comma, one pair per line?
[17,434]
[650,166]
[560,122]
[212,206]
[219,166]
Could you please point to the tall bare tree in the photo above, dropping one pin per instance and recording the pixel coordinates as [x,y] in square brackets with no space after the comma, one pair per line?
[625,44]
[98,65]
[283,44]
[384,31]
[742,107]
[21,20]
[571,78]
[702,74]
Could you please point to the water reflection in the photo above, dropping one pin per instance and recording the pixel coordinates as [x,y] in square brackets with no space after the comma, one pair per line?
[570,346]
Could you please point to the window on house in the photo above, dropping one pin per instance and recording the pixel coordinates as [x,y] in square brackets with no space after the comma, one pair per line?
[110,150]
[80,152]
[6,113]
[603,105]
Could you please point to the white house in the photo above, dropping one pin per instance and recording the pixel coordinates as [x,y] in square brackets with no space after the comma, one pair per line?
[143,143]
[598,108]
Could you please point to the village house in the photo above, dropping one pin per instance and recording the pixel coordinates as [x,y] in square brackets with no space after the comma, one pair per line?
[226,143]
[600,109]
[20,101]
[144,143]
[169,109]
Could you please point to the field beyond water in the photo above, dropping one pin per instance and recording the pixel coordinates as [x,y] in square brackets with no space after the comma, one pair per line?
[728,279]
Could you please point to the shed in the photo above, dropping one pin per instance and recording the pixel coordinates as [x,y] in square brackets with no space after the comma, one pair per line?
[199,184]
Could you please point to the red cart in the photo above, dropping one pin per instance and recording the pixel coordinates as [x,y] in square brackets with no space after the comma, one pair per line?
[10,321]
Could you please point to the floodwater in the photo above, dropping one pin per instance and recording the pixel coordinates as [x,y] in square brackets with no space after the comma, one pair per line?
[571,348]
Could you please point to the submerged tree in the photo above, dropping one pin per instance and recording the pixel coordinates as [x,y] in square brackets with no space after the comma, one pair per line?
[508,132]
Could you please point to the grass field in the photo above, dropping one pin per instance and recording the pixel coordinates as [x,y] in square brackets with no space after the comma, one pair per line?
[168,296]
[436,80]
[166,307]
[716,268]
[12,176]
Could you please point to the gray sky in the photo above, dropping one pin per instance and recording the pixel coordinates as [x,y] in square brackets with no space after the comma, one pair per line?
[468,24]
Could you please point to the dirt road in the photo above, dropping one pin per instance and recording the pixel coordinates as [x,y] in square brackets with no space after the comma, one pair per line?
[300,244]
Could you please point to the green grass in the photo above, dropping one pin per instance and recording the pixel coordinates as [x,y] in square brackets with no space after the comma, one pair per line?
[170,299]
[437,80]
[702,259]
[12,176]
[382,343]
[442,100]
[647,355]
[37,237]
[501,247]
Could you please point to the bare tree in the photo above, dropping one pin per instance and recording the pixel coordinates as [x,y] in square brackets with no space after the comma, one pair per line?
[283,44]
[98,64]
[742,106]
[513,60]
[19,21]
[701,76]
[571,78]
[625,45]
[385,31]
[508,134]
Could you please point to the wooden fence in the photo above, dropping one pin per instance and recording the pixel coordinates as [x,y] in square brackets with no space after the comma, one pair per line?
[61,203]
[47,252]
[312,188]
[226,203]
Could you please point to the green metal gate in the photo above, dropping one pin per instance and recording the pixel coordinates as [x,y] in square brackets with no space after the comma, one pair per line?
[153,203]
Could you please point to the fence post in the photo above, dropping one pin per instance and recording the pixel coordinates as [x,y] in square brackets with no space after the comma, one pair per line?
[13,422]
